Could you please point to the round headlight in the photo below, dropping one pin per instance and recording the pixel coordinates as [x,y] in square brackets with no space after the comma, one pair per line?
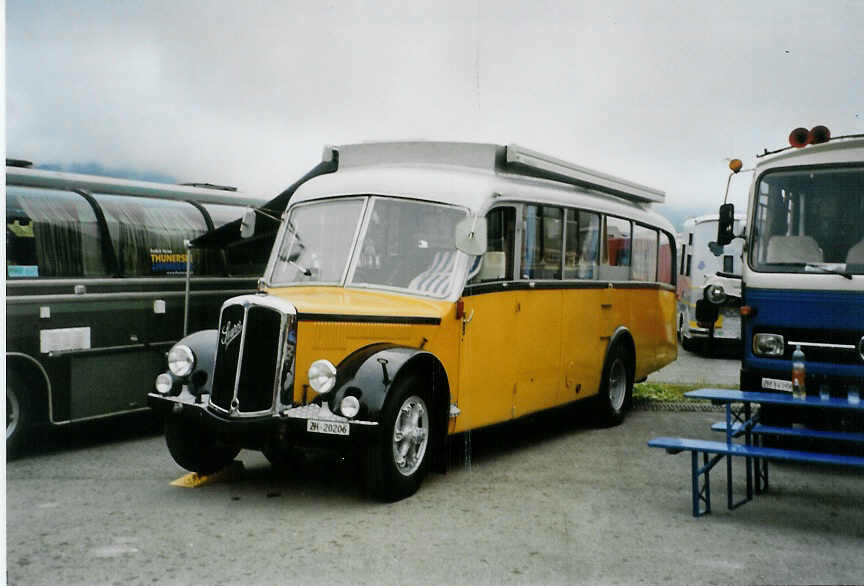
[350,406]
[715,294]
[181,360]
[164,383]
[322,376]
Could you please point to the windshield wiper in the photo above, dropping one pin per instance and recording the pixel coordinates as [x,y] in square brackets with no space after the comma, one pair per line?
[810,265]
[300,268]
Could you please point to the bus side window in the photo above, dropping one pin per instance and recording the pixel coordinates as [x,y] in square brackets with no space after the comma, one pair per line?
[497,263]
[149,234]
[582,245]
[644,254]
[665,272]
[616,265]
[541,242]
[728,263]
[51,233]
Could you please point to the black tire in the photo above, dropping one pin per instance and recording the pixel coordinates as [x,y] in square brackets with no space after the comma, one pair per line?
[397,463]
[18,415]
[616,387]
[193,448]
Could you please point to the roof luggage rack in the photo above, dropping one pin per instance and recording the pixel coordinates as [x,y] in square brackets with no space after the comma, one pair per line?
[510,159]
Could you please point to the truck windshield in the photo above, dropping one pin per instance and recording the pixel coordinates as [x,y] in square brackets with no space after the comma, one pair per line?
[402,245]
[809,221]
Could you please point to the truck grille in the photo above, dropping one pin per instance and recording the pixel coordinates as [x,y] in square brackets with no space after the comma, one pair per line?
[255,356]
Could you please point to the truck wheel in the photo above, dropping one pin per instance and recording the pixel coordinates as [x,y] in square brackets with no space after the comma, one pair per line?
[616,387]
[398,462]
[17,415]
[195,449]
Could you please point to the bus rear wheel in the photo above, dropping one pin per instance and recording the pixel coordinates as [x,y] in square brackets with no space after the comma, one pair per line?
[616,387]
[398,462]
[194,448]
[17,415]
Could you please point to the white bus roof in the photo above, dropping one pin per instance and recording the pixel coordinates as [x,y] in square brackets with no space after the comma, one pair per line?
[95,183]
[837,150]
[475,176]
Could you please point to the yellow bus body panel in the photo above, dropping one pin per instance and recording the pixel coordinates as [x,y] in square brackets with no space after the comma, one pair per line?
[521,351]
[335,340]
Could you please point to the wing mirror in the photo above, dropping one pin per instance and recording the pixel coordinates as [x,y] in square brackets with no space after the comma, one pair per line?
[247,224]
[470,235]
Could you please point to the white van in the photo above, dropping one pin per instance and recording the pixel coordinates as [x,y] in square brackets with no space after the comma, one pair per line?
[697,265]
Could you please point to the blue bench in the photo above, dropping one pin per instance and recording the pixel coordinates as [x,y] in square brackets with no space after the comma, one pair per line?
[712,452]
[759,429]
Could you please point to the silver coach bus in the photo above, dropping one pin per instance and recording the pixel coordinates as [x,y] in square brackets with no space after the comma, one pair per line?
[96,288]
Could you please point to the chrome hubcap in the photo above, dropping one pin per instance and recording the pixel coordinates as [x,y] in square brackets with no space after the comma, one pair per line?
[617,384]
[410,435]
[13,412]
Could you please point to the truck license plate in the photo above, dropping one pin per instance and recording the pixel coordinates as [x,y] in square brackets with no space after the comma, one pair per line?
[331,427]
[776,384]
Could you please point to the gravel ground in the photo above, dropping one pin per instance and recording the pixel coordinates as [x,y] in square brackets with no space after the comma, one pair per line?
[549,500]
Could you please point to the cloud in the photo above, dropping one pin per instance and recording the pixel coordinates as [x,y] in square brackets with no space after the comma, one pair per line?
[248,93]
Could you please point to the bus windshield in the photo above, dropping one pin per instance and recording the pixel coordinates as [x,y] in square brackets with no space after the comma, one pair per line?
[403,245]
[809,221]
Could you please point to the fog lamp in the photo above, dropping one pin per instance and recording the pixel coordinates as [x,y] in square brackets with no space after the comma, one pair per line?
[322,376]
[768,345]
[164,383]
[350,406]
[715,294]
[181,360]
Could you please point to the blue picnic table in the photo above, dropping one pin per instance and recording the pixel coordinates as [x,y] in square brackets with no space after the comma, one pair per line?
[741,428]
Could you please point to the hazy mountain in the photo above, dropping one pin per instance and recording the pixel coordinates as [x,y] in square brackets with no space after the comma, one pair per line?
[118,172]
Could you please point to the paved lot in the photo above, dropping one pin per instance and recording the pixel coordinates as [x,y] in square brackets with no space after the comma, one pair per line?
[551,500]
[719,368]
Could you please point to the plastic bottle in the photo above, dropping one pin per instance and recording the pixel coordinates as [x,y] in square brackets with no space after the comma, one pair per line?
[799,391]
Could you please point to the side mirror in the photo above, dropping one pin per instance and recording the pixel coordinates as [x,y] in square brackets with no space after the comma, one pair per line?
[726,225]
[247,224]
[470,235]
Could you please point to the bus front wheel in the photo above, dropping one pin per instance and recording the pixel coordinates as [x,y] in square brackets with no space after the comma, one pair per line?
[616,387]
[193,448]
[397,463]
[17,415]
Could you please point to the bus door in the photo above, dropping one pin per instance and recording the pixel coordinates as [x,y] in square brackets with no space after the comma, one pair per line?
[538,312]
[584,321]
[489,352]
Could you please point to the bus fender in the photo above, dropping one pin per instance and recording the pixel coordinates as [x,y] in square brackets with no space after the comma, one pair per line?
[370,372]
[39,385]
[622,336]
[203,344]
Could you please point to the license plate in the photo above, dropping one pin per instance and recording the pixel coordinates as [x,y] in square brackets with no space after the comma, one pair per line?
[331,427]
[776,384]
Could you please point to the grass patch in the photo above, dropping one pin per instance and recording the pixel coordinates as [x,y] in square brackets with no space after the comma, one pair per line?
[668,391]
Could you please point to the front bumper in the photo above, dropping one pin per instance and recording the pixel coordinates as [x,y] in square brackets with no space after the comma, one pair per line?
[291,426]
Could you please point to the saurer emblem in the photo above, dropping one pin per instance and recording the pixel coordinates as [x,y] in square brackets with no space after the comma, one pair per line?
[229,332]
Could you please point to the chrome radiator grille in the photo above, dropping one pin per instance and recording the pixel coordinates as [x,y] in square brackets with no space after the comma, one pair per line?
[255,356]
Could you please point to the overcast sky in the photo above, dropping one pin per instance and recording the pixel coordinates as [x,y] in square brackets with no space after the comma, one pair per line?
[248,93]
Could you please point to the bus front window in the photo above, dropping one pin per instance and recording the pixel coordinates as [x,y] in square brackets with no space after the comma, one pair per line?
[808,220]
[316,246]
[408,245]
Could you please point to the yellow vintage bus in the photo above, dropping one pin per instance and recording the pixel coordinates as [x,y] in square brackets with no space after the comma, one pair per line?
[419,290]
